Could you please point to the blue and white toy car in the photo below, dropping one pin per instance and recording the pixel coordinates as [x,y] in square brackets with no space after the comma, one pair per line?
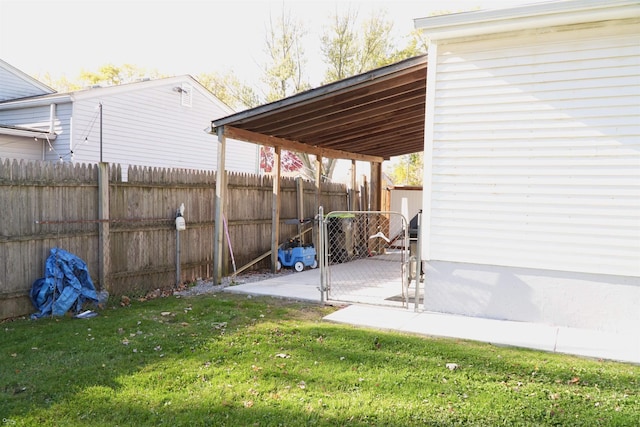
[296,255]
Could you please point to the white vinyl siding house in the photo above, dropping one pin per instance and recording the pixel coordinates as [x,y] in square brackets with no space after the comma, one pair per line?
[150,124]
[13,146]
[532,183]
[161,123]
[18,135]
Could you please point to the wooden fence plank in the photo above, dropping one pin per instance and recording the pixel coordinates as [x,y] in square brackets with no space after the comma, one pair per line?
[46,205]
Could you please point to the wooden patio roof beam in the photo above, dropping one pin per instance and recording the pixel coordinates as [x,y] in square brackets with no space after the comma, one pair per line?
[272,141]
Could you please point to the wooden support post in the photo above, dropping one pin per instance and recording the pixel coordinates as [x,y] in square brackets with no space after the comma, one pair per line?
[376,186]
[275,210]
[318,179]
[104,251]
[352,200]
[365,194]
[300,198]
[300,204]
[221,192]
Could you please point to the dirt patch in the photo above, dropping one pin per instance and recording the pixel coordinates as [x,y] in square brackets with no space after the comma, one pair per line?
[203,287]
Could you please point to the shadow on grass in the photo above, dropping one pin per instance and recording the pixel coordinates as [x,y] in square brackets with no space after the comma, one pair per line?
[232,361]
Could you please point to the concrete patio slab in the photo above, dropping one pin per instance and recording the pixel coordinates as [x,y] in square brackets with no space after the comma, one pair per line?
[589,343]
[581,342]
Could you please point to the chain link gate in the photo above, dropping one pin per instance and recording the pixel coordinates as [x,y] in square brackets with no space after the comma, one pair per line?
[364,257]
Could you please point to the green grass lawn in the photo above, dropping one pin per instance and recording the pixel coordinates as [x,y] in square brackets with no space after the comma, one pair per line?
[229,360]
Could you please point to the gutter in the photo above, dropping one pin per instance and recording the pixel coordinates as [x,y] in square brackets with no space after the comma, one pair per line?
[16,130]
[35,102]
[547,14]
[27,132]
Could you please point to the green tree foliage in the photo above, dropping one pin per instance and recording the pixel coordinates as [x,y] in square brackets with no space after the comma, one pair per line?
[339,47]
[285,73]
[417,44]
[106,75]
[407,170]
[61,84]
[377,46]
[109,75]
[230,90]
[348,50]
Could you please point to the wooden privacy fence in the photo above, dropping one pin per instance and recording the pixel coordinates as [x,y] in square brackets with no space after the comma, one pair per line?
[45,205]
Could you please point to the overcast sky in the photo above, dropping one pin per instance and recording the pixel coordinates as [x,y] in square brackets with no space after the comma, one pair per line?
[174,37]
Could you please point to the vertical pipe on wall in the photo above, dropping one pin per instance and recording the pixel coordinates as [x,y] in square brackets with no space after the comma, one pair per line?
[100,107]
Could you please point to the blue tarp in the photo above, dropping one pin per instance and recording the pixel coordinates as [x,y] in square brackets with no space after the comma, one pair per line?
[66,282]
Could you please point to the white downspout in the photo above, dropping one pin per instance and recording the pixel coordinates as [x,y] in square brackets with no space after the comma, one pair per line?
[52,122]
[52,117]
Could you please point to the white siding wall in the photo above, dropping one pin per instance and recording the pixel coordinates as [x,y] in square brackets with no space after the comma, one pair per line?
[242,156]
[151,127]
[536,151]
[413,201]
[20,147]
[61,147]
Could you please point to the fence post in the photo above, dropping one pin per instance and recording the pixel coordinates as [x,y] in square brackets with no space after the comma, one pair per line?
[221,199]
[104,252]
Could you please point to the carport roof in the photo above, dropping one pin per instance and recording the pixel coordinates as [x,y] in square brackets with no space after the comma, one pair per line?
[371,116]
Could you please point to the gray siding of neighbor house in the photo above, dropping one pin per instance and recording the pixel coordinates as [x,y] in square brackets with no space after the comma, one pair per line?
[39,117]
[20,147]
[150,126]
[533,190]
[14,87]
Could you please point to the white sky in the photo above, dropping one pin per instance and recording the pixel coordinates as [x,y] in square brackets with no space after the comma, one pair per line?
[174,37]
[62,37]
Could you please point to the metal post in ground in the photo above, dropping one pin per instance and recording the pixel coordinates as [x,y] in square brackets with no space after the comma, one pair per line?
[321,253]
[180,225]
[177,257]
[419,264]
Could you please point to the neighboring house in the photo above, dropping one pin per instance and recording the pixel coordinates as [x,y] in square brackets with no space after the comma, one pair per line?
[14,84]
[19,141]
[158,123]
[532,164]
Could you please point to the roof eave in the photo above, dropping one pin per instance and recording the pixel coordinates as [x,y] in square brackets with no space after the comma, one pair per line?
[26,132]
[314,94]
[525,17]
[36,101]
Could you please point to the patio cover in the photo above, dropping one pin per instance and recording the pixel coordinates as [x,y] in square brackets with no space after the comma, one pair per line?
[369,117]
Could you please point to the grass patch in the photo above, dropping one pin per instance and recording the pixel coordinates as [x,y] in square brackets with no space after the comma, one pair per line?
[229,360]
